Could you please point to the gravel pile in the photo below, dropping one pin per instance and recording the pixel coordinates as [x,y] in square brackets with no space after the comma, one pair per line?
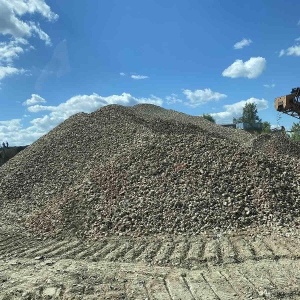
[145,170]
[277,144]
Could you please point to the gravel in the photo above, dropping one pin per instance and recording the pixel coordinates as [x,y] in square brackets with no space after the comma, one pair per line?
[145,170]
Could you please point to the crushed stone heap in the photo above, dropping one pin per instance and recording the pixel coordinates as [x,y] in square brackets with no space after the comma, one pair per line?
[146,170]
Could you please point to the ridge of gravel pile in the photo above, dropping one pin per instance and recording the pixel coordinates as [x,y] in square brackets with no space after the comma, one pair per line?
[276,144]
[152,112]
[138,171]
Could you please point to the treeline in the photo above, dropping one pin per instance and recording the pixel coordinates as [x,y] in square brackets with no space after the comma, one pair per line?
[251,118]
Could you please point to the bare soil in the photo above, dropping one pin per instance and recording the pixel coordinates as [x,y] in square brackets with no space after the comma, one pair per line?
[233,266]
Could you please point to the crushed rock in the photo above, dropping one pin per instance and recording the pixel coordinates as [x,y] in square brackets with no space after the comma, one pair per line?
[146,170]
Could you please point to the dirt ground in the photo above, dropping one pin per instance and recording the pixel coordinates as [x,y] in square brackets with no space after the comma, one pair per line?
[234,266]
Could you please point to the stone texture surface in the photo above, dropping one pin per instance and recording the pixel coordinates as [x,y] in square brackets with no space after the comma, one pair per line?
[146,170]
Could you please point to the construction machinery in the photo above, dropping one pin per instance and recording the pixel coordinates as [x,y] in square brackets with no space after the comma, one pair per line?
[289,104]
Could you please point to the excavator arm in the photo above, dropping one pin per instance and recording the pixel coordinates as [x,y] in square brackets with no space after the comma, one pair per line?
[289,104]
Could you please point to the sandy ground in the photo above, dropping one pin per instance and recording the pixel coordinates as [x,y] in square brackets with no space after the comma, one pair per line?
[243,266]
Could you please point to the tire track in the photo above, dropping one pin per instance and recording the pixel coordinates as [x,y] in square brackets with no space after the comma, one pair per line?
[164,253]
[181,252]
[149,252]
[131,255]
[90,250]
[68,279]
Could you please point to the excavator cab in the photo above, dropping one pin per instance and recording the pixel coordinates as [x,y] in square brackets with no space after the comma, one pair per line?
[289,104]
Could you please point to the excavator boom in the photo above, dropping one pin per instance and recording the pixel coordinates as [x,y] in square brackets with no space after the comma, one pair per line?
[289,104]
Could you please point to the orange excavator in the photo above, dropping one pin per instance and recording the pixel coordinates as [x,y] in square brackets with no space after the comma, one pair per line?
[289,104]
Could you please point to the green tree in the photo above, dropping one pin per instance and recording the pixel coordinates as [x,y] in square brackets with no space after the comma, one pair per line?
[209,118]
[236,120]
[250,115]
[266,127]
[295,134]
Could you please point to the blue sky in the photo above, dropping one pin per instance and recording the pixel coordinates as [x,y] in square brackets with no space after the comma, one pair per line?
[199,57]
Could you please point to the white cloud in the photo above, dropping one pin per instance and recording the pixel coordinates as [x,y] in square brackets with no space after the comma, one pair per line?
[11,125]
[291,51]
[236,110]
[297,39]
[11,50]
[12,10]
[22,7]
[281,53]
[241,44]
[139,77]
[251,68]
[269,85]
[16,134]
[40,33]
[37,108]
[9,71]
[172,99]
[199,97]
[122,74]
[90,103]
[35,99]
[18,29]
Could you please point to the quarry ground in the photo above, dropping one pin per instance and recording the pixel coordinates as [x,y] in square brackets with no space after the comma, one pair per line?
[236,266]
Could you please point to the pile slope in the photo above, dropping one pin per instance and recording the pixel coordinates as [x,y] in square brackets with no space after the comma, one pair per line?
[146,170]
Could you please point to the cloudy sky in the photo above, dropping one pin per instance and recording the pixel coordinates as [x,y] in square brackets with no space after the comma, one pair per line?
[194,56]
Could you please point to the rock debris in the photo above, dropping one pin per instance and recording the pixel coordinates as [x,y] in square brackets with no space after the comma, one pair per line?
[145,170]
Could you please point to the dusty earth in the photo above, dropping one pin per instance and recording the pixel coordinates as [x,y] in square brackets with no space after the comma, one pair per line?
[249,265]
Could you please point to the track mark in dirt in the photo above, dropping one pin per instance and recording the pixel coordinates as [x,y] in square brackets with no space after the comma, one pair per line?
[199,287]
[65,248]
[74,251]
[278,248]
[240,284]
[261,250]
[211,252]
[227,251]
[164,253]
[36,247]
[98,280]
[262,284]
[210,287]
[293,274]
[89,250]
[118,252]
[157,289]
[17,249]
[149,252]
[196,251]
[183,276]
[277,276]
[243,249]
[10,245]
[137,248]
[136,289]
[178,288]
[100,254]
[139,251]
[294,246]
[193,253]
[52,247]
[220,285]
[180,252]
